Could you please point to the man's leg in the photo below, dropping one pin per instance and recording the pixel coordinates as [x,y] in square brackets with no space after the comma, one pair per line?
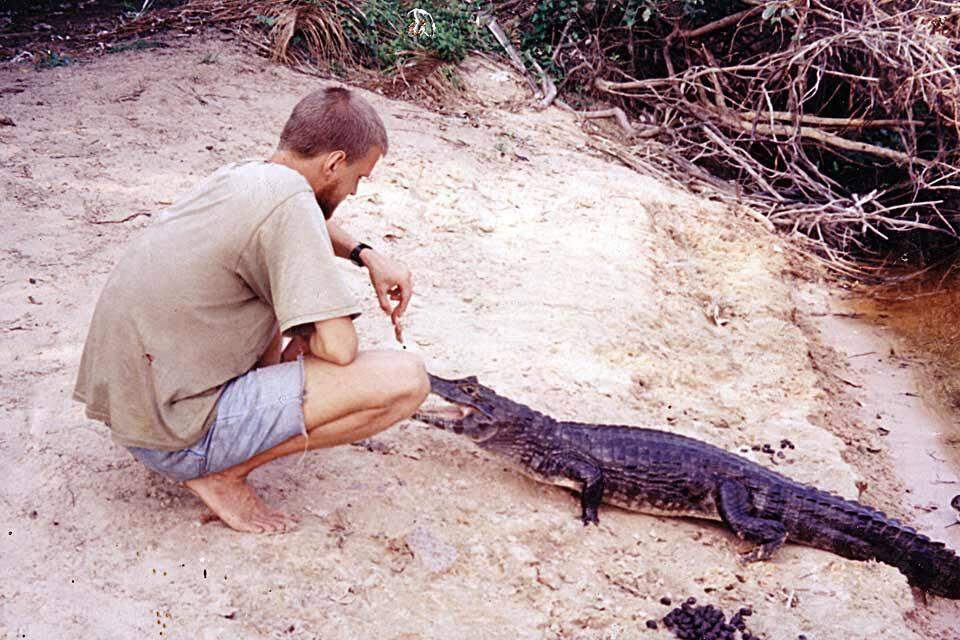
[342,404]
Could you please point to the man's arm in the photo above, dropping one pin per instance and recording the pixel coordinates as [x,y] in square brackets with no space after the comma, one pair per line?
[343,242]
[391,280]
[334,340]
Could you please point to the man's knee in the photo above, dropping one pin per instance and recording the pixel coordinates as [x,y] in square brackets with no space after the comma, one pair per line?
[412,383]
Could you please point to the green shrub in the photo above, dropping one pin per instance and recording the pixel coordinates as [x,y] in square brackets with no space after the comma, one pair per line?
[382,32]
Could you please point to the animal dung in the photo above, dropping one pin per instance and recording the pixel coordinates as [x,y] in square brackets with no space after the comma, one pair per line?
[706,622]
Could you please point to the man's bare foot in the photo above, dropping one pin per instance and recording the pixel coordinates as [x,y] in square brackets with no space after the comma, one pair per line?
[235,502]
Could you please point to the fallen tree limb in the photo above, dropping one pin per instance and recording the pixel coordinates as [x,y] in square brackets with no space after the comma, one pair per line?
[616,113]
[722,23]
[748,126]
[548,88]
[853,123]
[512,54]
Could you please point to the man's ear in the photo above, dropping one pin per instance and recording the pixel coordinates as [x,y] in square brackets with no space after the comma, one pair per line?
[334,161]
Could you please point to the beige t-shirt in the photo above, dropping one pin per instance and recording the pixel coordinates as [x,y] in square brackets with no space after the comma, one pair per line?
[196,300]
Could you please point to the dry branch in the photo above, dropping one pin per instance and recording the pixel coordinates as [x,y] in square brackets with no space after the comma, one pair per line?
[615,113]
[722,23]
[743,124]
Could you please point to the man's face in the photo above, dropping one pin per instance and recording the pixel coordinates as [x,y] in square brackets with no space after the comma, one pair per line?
[343,180]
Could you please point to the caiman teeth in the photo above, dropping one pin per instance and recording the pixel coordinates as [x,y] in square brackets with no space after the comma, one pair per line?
[446,417]
[448,413]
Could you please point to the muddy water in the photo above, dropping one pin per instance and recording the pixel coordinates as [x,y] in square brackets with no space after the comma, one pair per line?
[904,356]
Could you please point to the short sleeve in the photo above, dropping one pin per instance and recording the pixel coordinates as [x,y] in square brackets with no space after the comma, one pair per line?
[290,264]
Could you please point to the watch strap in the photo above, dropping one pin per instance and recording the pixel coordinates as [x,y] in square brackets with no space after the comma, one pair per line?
[355,254]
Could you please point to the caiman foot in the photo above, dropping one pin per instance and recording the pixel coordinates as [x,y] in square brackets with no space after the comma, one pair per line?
[733,503]
[589,515]
[761,552]
[590,477]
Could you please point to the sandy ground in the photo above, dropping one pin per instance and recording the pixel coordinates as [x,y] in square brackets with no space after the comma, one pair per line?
[559,278]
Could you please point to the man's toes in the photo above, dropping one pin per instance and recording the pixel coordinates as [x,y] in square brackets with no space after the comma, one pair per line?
[289,522]
[273,517]
[248,526]
[274,526]
[286,517]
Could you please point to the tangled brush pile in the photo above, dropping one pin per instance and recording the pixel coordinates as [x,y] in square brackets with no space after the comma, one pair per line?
[836,118]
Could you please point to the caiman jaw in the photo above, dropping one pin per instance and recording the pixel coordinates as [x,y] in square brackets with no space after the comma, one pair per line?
[446,416]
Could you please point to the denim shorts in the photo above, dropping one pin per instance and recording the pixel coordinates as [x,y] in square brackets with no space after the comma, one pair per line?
[255,412]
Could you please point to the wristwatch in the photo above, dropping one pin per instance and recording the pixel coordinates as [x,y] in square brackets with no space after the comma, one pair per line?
[355,254]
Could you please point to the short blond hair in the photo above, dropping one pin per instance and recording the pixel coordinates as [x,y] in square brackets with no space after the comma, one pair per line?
[333,119]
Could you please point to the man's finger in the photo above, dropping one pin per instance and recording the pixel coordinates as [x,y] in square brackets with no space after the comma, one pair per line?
[384,301]
[406,292]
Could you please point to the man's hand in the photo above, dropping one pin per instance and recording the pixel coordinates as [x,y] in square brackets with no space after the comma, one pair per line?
[392,281]
[299,345]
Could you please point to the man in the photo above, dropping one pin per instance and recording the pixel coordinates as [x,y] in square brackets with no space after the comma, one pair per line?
[183,359]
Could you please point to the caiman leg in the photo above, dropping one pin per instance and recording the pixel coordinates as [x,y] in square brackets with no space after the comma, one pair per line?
[733,503]
[591,492]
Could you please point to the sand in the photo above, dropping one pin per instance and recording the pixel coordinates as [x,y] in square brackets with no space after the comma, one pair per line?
[558,277]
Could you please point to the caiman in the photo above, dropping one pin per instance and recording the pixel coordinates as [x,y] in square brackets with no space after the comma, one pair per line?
[664,473]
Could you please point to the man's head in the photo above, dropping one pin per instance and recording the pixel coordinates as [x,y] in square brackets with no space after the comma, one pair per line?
[334,138]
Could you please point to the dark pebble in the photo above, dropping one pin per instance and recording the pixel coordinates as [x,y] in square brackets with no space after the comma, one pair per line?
[780,454]
[691,601]
[651,624]
[666,600]
[746,612]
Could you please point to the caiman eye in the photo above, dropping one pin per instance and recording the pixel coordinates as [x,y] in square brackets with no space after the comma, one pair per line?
[469,388]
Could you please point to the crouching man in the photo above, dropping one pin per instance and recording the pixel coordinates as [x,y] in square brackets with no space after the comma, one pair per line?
[183,357]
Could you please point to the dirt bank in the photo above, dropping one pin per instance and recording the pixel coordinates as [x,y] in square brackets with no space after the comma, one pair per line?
[568,282]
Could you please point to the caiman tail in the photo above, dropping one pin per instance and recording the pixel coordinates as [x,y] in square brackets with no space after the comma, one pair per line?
[928,564]
[858,532]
